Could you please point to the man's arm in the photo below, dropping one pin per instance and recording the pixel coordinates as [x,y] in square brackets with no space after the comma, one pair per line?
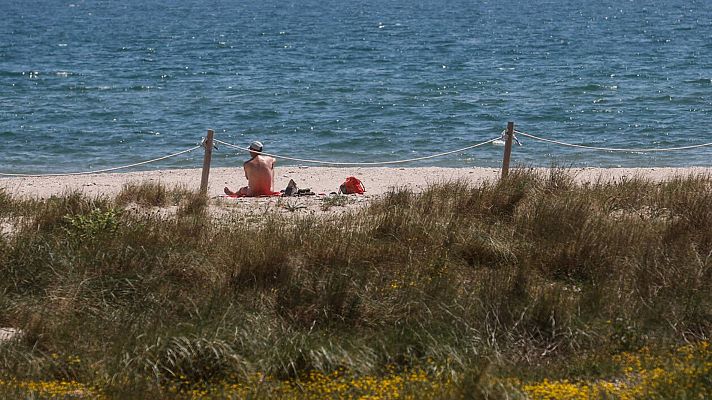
[246,166]
[274,162]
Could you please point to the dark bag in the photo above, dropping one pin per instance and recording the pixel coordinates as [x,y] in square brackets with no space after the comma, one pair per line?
[293,190]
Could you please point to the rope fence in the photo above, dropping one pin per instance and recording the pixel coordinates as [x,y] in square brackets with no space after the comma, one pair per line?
[508,136]
[362,163]
[580,146]
[101,171]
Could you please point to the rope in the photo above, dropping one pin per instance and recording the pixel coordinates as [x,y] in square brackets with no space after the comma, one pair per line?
[612,148]
[356,163]
[99,171]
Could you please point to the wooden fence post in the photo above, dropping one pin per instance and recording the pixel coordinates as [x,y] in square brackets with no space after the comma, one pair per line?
[507,149]
[206,161]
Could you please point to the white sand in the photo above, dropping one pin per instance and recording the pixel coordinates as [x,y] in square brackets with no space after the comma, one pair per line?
[320,179]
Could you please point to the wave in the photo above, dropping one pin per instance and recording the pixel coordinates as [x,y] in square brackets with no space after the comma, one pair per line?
[39,74]
[699,81]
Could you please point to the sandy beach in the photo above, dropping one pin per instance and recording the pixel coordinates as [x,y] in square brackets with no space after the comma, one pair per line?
[377,180]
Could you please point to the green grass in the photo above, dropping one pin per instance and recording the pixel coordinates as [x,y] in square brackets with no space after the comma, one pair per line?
[533,276]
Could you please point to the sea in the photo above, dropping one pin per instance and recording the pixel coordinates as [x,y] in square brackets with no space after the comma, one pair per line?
[95,84]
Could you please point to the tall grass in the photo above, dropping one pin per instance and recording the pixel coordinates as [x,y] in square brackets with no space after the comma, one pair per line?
[527,273]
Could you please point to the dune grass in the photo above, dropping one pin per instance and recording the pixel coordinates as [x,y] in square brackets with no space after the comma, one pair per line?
[455,291]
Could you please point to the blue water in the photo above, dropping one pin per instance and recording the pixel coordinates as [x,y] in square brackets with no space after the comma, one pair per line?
[94,84]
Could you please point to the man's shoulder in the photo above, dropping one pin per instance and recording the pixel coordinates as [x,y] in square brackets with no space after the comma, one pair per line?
[263,158]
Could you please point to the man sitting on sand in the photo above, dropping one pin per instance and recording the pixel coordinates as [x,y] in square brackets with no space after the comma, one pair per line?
[259,171]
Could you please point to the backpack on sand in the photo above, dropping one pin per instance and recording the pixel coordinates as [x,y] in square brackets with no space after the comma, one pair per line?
[352,186]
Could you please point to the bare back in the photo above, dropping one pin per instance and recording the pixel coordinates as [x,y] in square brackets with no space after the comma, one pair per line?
[259,172]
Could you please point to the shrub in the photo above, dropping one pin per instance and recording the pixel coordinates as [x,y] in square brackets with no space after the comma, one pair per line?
[144,193]
[96,223]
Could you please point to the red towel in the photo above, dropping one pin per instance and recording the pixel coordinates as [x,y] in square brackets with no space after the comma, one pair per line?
[271,194]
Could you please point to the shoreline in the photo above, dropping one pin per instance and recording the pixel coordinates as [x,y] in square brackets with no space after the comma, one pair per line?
[377,180]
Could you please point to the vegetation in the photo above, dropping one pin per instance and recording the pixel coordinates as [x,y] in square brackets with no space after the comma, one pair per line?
[335,200]
[150,194]
[530,287]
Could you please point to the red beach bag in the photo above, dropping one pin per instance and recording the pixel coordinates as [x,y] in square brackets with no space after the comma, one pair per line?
[352,186]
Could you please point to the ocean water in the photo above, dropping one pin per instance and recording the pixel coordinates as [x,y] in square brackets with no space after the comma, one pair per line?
[90,84]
